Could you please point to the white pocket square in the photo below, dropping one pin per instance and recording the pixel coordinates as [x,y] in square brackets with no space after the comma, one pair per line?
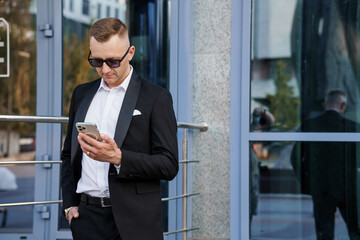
[136,112]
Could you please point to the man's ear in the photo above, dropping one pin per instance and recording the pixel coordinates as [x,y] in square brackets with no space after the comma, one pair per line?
[131,52]
[343,107]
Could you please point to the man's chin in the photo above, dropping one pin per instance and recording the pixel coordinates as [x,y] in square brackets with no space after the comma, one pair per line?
[111,82]
[108,78]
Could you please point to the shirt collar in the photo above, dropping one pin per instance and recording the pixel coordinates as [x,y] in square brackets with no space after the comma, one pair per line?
[124,85]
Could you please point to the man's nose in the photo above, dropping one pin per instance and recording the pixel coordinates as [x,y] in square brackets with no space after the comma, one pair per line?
[105,68]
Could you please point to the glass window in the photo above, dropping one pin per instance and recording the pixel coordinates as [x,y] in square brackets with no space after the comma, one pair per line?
[99,11]
[304,190]
[86,7]
[304,77]
[108,11]
[301,51]
[17,97]
[17,182]
[71,5]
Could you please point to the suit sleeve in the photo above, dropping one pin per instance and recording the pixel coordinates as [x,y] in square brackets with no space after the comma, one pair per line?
[67,174]
[162,162]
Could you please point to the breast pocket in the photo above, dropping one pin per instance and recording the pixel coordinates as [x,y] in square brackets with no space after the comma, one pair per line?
[138,134]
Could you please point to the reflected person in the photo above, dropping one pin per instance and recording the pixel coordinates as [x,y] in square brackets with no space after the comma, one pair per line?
[327,169]
[262,120]
[111,188]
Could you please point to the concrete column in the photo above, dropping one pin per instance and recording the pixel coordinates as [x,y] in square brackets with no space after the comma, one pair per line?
[211,103]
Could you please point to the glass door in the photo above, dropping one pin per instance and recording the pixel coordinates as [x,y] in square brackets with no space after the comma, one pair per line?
[29,148]
[17,97]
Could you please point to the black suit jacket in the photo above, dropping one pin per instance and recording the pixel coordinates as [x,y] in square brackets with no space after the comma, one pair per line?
[326,168]
[149,153]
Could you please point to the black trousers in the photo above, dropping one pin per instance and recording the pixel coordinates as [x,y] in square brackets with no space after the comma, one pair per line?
[324,210]
[94,223]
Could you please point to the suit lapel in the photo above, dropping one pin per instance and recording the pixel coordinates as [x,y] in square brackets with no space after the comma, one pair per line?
[80,115]
[127,109]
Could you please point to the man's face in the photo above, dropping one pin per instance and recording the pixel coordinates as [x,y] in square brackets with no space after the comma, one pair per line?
[114,48]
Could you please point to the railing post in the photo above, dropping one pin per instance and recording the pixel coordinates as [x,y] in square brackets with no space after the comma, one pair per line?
[184,184]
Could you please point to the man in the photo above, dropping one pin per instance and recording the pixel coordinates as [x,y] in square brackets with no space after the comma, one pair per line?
[327,169]
[111,188]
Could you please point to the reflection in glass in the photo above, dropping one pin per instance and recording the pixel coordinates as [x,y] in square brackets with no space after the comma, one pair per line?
[307,190]
[17,97]
[17,181]
[301,50]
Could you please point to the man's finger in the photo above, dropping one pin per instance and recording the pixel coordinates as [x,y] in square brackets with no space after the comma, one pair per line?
[89,140]
[106,138]
[86,147]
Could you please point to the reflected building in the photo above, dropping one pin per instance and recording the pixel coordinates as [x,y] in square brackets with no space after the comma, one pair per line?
[298,56]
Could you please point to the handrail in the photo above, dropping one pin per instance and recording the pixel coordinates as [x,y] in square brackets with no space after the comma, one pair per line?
[47,119]
[181,230]
[203,127]
[59,162]
[29,203]
[61,201]
[180,196]
[34,119]
[28,162]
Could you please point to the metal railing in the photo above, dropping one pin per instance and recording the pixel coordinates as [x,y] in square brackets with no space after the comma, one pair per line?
[185,195]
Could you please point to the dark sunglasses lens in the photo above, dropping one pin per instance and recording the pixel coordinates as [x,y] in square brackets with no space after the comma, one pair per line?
[96,62]
[113,63]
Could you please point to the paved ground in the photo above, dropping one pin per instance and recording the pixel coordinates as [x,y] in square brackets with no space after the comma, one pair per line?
[288,216]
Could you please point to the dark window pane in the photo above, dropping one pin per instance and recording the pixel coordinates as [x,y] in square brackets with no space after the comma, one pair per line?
[86,7]
[108,11]
[299,190]
[99,11]
[302,50]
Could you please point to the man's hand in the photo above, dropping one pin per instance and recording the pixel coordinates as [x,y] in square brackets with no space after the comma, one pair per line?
[74,212]
[105,151]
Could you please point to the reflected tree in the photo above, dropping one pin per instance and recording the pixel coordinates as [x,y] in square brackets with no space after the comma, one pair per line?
[77,69]
[18,92]
[283,105]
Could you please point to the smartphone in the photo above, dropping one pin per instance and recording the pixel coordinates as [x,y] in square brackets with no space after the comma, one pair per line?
[89,128]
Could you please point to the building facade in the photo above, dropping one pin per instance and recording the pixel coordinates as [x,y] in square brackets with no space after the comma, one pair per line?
[255,71]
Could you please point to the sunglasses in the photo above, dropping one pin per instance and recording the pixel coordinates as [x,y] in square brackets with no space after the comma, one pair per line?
[113,63]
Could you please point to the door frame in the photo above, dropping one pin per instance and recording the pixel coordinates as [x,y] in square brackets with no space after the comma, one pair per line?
[49,103]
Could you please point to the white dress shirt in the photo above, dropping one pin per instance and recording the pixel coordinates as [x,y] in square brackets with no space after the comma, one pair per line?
[104,111]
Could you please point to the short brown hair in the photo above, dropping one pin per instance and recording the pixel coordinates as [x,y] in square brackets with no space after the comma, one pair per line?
[104,28]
